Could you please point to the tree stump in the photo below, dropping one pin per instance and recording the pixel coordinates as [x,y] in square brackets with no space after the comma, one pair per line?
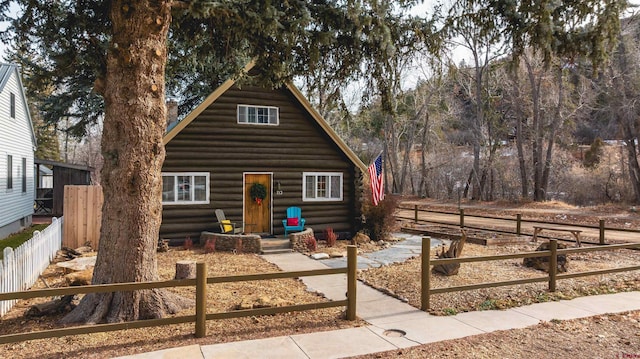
[542,263]
[185,270]
[163,245]
[53,307]
[454,251]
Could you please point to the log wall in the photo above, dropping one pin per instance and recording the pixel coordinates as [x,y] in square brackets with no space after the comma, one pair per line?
[215,143]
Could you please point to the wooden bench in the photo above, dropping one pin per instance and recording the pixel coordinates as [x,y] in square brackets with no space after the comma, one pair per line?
[538,229]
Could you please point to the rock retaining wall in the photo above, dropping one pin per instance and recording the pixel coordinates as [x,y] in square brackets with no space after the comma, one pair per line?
[298,240]
[247,243]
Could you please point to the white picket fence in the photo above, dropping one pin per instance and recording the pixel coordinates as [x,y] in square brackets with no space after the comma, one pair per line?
[21,267]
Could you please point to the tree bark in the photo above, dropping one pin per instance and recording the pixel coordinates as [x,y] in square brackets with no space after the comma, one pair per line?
[133,154]
[538,134]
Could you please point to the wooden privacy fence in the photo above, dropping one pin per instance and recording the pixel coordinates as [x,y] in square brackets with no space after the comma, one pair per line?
[20,268]
[201,316]
[553,276]
[83,215]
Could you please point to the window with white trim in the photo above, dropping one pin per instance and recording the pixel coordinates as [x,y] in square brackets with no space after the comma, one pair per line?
[258,115]
[12,105]
[24,175]
[322,186]
[185,188]
[9,172]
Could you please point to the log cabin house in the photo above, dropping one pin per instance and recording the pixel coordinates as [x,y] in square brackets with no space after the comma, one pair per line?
[245,140]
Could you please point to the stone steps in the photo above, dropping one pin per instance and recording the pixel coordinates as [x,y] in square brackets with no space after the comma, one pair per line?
[275,245]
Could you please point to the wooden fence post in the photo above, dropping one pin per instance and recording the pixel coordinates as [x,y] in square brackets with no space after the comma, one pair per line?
[426,274]
[553,264]
[352,266]
[415,213]
[602,231]
[461,217]
[518,224]
[201,300]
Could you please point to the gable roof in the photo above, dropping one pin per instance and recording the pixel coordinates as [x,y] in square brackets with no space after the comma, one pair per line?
[174,130]
[6,70]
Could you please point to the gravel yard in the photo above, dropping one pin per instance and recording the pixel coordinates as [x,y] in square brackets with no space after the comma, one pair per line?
[602,336]
[222,297]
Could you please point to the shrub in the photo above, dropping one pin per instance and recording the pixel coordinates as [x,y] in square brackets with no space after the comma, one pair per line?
[312,244]
[210,246]
[188,243]
[378,220]
[238,248]
[330,236]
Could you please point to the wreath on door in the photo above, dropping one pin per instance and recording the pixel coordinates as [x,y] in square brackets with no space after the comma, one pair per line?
[258,193]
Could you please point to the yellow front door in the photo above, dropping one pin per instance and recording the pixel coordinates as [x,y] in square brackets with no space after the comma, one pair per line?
[257,210]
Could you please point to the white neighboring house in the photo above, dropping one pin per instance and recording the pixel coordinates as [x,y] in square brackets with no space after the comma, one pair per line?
[17,146]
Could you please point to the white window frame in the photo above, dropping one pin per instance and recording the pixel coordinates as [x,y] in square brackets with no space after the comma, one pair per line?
[244,120]
[321,199]
[175,175]
[12,105]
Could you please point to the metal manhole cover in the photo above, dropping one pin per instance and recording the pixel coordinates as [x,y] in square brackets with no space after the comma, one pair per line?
[394,333]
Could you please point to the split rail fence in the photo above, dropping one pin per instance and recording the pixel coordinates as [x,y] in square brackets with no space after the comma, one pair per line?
[417,211]
[552,278]
[201,315]
[21,267]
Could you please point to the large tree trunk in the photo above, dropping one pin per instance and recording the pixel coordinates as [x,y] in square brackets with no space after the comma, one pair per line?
[538,134]
[133,154]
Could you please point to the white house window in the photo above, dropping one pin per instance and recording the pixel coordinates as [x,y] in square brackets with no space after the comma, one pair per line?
[9,172]
[322,186]
[24,175]
[185,188]
[12,105]
[258,115]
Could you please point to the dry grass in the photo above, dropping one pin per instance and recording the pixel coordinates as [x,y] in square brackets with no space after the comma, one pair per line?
[619,332]
[222,297]
[403,279]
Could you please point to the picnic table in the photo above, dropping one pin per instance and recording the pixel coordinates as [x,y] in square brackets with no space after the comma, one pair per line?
[575,232]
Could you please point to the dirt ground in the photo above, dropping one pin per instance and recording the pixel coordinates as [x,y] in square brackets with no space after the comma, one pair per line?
[605,336]
[222,297]
[610,336]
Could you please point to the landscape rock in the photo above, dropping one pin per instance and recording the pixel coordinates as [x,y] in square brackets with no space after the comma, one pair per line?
[360,238]
[320,256]
[78,264]
[79,278]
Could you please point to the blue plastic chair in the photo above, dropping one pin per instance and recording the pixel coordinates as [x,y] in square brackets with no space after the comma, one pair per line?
[293,212]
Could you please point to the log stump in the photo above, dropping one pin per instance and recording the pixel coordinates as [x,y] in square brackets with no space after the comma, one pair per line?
[54,307]
[185,270]
[542,263]
[454,251]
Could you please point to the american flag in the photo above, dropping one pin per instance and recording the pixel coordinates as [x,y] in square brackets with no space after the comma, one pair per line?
[375,178]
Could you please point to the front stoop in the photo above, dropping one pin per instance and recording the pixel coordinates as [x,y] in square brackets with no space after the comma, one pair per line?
[275,245]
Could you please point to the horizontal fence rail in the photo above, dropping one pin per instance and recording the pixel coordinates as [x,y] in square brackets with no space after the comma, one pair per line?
[21,267]
[552,254]
[518,222]
[416,209]
[200,282]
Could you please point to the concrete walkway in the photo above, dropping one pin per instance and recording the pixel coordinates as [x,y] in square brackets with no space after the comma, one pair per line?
[393,324]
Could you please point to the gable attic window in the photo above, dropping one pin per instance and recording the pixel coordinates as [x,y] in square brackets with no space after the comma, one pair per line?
[258,115]
[12,105]
[322,186]
[185,188]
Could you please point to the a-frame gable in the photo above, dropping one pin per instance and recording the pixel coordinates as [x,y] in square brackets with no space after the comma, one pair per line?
[298,96]
[6,71]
